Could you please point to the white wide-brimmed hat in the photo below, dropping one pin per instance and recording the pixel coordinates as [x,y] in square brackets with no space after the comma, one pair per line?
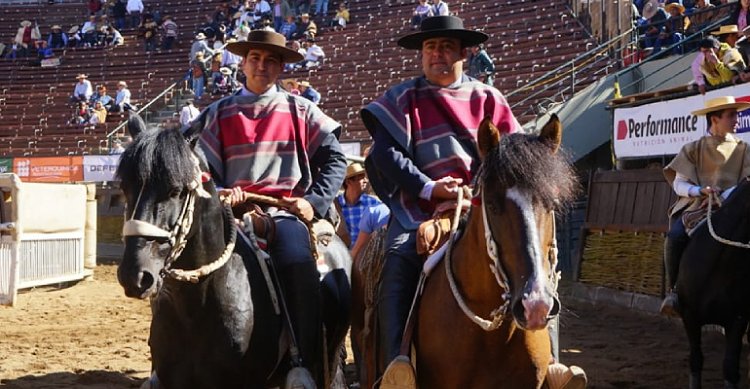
[721,103]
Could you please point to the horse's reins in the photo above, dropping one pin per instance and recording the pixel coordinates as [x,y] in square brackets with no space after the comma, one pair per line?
[177,237]
[497,316]
[715,197]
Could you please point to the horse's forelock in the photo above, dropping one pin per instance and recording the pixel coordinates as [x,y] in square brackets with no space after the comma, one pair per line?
[529,164]
[158,156]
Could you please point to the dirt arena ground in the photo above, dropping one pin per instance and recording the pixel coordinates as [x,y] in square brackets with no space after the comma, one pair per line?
[89,335]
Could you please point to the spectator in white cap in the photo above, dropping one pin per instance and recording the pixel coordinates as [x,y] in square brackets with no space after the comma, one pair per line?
[83,89]
[122,99]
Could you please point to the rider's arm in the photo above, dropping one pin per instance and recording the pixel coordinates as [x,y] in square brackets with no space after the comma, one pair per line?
[684,188]
[332,161]
[388,157]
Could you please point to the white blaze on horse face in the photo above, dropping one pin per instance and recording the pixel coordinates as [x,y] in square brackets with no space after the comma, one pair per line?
[537,300]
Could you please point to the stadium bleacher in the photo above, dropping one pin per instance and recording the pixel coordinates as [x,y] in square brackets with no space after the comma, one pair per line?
[527,39]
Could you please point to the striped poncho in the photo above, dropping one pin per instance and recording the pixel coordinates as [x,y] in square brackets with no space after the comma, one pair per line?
[436,128]
[266,144]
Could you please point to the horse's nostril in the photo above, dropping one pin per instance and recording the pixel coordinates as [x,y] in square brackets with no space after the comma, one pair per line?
[145,281]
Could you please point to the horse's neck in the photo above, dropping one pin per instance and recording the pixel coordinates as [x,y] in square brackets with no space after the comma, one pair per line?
[471,263]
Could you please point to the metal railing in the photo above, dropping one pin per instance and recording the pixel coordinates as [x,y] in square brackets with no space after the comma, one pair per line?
[111,135]
[567,76]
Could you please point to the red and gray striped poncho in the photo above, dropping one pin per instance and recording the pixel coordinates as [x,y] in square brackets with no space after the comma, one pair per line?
[264,143]
[436,127]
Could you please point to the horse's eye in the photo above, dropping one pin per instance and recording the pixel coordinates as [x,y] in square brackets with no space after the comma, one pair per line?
[175,193]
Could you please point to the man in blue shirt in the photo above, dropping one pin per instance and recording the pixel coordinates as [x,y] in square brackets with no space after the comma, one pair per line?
[354,201]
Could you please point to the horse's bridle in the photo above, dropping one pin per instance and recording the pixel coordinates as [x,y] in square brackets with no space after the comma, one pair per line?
[497,316]
[177,235]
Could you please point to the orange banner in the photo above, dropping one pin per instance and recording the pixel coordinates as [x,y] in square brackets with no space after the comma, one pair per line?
[49,169]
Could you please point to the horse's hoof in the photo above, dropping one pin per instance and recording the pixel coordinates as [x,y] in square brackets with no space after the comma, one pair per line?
[560,376]
[399,375]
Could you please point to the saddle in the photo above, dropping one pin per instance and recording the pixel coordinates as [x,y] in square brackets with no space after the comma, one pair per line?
[433,233]
[693,217]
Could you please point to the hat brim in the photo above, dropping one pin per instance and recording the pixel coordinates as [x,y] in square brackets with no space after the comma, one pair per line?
[672,5]
[739,106]
[241,49]
[718,33]
[467,37]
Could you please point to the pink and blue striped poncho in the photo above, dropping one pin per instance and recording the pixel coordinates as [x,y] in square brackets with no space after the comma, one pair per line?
[436,127]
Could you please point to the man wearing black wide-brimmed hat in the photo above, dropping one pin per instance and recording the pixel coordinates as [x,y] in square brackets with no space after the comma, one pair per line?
[425,147]
[266,141]
[410,171]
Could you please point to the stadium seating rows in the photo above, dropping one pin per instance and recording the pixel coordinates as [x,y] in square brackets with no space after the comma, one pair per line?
[527,39]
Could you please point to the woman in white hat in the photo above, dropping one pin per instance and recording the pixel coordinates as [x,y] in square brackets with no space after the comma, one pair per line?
[712,164]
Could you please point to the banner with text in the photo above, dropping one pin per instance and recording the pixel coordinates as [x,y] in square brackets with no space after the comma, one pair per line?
[6,165]
[100,168]
[662,128]
[49,169]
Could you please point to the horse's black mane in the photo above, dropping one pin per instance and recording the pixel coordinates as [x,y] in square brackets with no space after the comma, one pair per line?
[162,156]
[526,162]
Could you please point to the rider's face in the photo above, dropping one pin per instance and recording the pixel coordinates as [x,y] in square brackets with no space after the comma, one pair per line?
[442,60]
[262,69]
[726,123]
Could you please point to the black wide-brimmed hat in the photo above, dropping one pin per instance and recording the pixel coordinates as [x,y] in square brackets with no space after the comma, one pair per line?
[442,26]
[265,40]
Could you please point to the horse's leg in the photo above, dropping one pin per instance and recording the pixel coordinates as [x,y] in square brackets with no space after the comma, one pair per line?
[693,331]
[733,338]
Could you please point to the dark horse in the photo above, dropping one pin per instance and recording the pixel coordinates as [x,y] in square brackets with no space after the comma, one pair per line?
[499,267]
[221,329]
[713,284]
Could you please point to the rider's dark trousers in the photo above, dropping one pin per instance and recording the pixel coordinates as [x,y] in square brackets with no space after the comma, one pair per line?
[399,282]
[674,244]
[299,277]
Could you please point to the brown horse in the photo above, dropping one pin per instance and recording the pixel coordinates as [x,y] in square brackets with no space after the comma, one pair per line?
[499,266]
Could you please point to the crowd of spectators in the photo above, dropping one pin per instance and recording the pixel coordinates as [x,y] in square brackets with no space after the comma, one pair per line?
[722,55]
[92,107]
[667,24]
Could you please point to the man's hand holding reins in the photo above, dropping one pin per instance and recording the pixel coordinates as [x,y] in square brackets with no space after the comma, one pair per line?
[300,207]
[446,188]
[236,195]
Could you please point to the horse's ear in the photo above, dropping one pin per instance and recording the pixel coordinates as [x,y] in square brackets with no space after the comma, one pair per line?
[136,125]
[488,136]
[552,133]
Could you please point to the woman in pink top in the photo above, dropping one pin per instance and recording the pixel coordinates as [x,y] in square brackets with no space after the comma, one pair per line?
[741,15]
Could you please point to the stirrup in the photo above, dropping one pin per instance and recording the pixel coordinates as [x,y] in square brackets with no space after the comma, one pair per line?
[399,374]
[299,378]
[670,306]
[560,376]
